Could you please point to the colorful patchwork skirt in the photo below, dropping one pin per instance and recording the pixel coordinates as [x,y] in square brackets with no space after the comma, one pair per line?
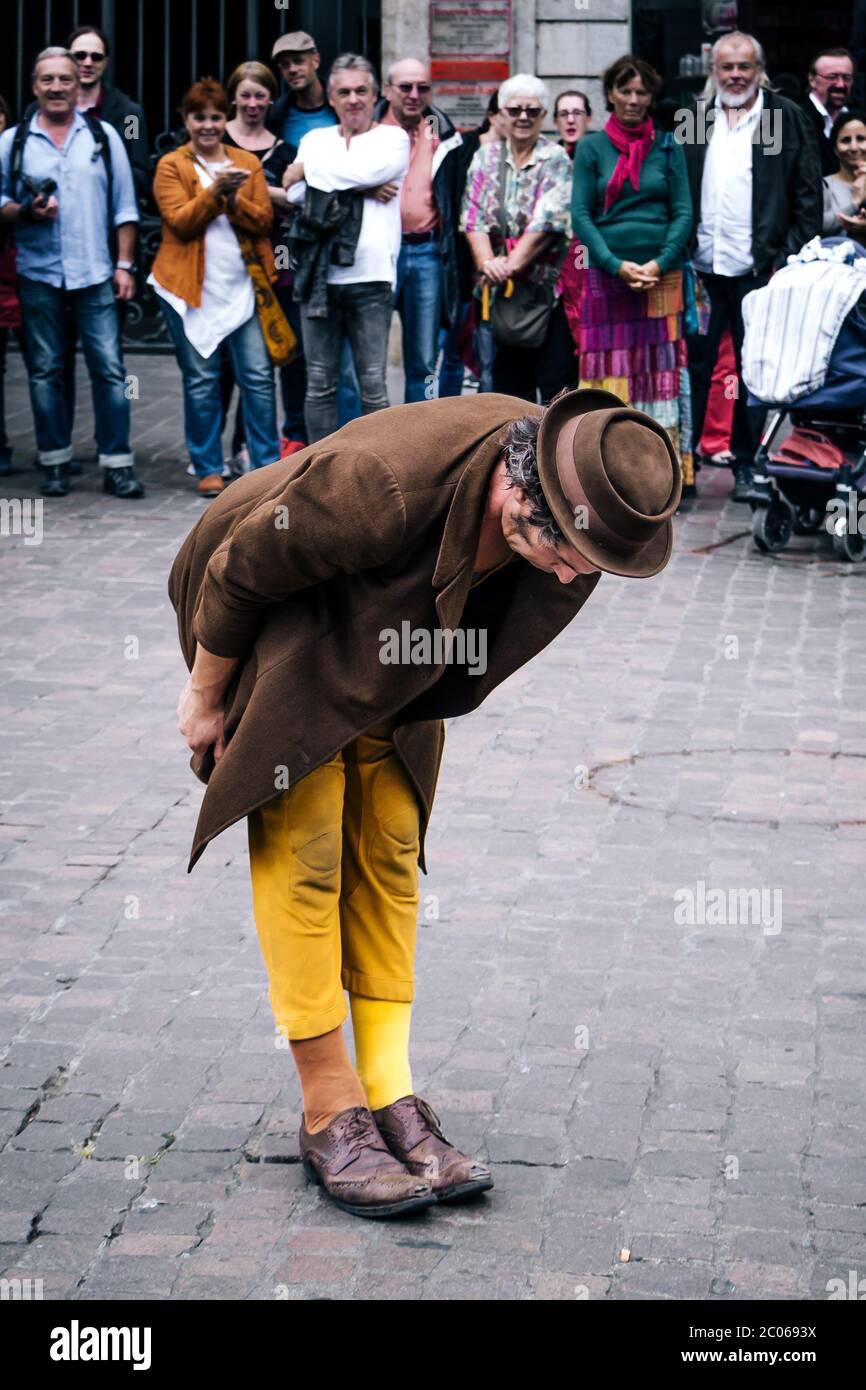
[632,343]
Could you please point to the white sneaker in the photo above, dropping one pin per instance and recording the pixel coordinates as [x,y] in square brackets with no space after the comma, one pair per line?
[226,473]
[240,463]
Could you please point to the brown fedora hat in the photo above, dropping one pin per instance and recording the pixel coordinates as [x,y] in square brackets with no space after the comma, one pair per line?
[612,480]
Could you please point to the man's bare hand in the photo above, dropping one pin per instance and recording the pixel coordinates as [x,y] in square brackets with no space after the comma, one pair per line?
[383,192]
[124,285]
[46,209]
[201,721]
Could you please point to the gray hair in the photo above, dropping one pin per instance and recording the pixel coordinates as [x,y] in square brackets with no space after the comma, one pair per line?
[53,52]
[523,82]
[711,86]
[354,60]
[521,470]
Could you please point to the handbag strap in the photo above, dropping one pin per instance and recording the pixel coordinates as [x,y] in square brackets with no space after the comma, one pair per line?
[503,181]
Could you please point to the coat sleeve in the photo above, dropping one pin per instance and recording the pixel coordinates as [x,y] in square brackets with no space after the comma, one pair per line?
[337,168]
[806,189]
[188,216]
[583,193]
[253,209]
[680,207]
[342,514]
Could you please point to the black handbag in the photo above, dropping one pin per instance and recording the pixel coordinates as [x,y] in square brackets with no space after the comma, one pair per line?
[519,319]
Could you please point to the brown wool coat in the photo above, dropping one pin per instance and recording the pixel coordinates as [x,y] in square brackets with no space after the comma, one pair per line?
[299,567]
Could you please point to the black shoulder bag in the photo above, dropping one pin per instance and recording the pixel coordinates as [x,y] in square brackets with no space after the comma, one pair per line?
[521,318]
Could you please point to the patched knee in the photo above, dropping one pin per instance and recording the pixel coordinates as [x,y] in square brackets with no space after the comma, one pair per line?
[394,854]
[320,853]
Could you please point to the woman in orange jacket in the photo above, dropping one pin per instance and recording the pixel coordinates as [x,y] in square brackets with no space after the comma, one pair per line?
[214,256]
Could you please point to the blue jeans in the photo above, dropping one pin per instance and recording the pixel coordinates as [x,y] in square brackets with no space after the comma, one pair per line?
[202,402]
[361,312]
[418,300]
[453,368]
[44,310]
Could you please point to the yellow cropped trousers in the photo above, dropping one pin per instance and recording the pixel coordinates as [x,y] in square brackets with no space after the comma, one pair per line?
[335,886]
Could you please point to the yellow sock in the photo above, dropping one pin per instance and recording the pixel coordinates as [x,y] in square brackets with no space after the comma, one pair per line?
[381,1031]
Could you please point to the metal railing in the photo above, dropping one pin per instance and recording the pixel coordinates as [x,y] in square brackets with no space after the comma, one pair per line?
[158,48]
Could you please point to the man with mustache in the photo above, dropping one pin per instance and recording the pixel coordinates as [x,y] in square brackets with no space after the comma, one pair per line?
[831,77]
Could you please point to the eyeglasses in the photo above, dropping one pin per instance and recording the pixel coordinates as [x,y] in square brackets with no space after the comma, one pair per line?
[407,87]
[531,111]
[81,55]
[564,112]
[843,78]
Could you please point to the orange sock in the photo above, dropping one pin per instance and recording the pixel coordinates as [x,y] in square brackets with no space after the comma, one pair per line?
[329,1082]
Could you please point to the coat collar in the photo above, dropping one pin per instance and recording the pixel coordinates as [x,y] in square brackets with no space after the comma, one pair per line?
[460,533]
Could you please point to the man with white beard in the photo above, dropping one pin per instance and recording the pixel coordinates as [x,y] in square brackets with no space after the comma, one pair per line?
[755,181]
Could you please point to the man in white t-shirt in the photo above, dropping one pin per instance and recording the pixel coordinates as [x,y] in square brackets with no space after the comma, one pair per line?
[361,155]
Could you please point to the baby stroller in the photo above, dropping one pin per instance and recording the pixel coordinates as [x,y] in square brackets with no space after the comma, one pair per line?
[814,479]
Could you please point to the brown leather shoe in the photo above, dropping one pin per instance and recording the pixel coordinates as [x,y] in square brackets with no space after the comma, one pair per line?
[351,1161]
[211,486]
[411,1130]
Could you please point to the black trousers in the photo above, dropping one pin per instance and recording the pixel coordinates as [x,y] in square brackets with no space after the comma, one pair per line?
[524,371]
[726,293]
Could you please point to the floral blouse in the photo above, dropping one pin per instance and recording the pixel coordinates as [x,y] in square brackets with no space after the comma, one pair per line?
[537,199]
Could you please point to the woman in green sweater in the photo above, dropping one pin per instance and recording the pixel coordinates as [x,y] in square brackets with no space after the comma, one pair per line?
[632,213]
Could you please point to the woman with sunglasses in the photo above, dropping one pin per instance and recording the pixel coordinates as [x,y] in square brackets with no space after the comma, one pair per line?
[632,211]
[532,242]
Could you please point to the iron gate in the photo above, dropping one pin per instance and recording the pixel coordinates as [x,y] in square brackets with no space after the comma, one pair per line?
[158,48]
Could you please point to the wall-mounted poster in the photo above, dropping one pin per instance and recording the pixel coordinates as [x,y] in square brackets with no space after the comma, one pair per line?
[470,54]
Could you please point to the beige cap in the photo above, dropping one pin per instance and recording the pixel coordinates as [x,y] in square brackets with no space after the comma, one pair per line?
[298,42]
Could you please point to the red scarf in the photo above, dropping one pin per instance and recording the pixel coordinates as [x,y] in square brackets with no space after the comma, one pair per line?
[634,143]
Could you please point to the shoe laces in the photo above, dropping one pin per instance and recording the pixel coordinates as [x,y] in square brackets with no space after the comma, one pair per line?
[356,1130]
[431,1118]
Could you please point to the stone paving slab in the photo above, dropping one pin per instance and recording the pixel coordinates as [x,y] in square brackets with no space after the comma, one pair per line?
[641,966]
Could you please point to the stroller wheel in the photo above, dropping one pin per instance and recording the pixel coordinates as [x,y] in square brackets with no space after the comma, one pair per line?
[848,547]
[808,520]
[771,528]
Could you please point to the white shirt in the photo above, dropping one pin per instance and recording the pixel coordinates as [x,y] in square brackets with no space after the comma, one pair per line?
[227,295]
[380,155]
[822,111]
[724,241]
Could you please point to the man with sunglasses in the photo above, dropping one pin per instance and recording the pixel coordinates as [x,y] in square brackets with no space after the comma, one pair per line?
[90,49]
[427,295]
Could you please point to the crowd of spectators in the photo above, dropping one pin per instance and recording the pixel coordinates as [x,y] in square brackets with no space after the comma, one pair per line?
[295,224]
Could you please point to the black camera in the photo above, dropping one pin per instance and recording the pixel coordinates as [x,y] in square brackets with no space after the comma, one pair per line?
[38,193]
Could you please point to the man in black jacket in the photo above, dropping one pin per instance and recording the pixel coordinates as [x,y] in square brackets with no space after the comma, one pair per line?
[89,47]
[427,296]
[831,78]
[755,182]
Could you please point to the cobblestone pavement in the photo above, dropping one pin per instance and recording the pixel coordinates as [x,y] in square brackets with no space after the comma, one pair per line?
[649,1065]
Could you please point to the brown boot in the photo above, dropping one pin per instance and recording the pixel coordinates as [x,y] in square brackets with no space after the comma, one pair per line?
[352,1162]
[411,1130]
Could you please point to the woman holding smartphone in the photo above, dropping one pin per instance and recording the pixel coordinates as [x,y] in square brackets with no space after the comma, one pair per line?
[216,216]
